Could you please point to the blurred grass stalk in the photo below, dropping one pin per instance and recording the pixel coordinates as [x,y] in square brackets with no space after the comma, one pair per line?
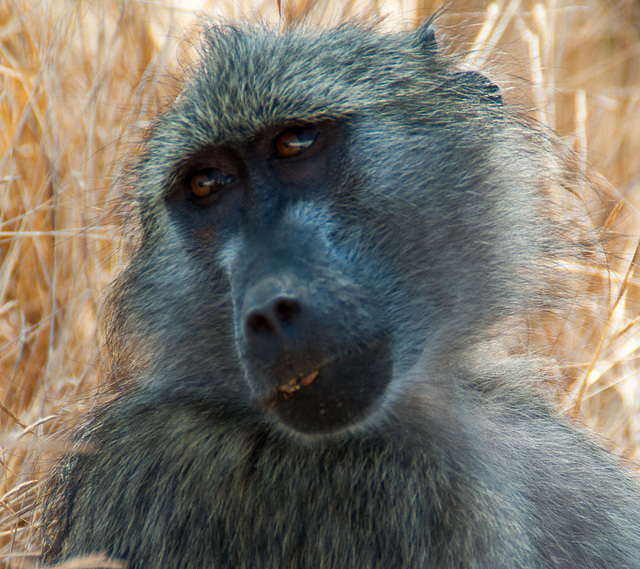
[79,80]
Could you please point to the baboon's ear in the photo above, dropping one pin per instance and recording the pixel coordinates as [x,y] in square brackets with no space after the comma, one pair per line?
[474,84]
[425,36]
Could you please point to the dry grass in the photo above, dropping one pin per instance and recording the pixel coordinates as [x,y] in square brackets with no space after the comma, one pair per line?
[79,79]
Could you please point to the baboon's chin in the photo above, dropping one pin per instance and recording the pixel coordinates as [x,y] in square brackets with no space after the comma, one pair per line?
[336,395]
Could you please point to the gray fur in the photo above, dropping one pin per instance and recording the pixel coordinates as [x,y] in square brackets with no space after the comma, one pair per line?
[402,245]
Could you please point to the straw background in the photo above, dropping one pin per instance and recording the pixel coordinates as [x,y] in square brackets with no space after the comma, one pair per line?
[80,79]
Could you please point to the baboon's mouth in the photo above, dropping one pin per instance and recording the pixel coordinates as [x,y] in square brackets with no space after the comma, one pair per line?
[336,394]
[297,383]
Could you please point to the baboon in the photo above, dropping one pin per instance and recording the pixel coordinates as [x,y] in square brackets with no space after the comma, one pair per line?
[336,228]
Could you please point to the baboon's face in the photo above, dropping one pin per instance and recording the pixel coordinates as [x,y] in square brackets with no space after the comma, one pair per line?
[280,215]
[334,193]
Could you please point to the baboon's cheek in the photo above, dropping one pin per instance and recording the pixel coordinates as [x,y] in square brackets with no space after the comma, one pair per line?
[336,395]
[204,236]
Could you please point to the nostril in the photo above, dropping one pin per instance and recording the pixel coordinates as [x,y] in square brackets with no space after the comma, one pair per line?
[280,311]
[286,309]
[257,322]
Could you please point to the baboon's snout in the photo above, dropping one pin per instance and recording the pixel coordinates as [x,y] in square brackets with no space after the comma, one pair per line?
[311,370]
[282,328]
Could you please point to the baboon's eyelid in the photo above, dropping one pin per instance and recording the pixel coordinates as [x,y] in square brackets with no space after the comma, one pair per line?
[299,144]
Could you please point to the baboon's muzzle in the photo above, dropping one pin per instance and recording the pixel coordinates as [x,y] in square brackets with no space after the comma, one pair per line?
[309,371]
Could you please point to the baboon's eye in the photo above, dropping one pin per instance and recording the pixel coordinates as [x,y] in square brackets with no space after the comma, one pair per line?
[294,141]
[205,183]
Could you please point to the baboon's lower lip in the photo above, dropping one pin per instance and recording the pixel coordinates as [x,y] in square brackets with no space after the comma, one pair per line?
[298,382]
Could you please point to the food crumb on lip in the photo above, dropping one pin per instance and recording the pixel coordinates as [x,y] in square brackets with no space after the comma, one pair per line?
[296,383]
[308,379]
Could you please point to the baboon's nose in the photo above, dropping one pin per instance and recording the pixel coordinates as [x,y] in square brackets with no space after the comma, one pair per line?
[283,331]
[273,308]
[273,315]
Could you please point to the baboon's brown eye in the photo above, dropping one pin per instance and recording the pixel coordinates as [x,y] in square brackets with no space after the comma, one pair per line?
[208,182]
[295,141]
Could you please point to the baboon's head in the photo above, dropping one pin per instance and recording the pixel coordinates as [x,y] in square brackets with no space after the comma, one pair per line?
[322,211]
